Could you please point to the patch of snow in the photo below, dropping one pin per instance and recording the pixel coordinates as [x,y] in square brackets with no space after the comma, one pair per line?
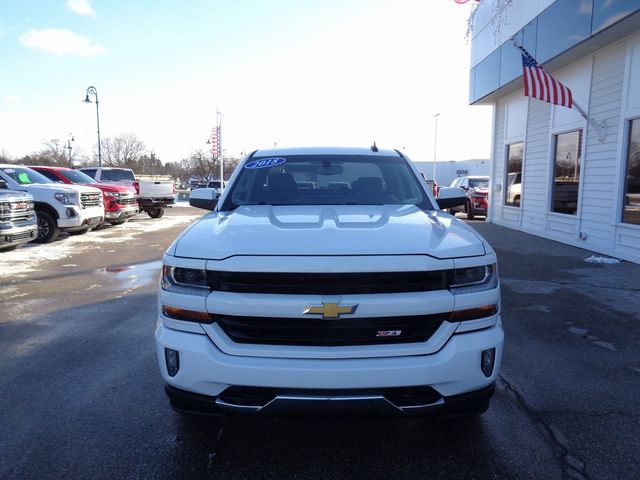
[601,260]
[32,257]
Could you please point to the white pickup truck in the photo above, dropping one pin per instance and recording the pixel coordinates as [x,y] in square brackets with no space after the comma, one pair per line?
[329,279]
[153,195]
[59,208]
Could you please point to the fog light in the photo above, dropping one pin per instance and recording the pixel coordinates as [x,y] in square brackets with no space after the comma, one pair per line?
[172,358]
[486,362]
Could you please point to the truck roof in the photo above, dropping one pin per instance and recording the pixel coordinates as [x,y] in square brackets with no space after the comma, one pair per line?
[323,151]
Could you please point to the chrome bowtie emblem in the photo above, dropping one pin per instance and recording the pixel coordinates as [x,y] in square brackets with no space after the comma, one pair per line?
[330,310]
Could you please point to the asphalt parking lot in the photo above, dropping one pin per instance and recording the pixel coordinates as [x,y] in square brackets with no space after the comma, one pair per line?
[82,396]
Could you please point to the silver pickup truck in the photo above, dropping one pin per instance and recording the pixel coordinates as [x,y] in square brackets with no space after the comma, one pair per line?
[153,195]
[18,223]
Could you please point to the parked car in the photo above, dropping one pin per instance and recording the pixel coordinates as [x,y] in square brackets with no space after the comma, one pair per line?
[18,223]
[153,195]
[59,208]
[477,188]
[215,184]
[514,189]
[119,201]
[367,298]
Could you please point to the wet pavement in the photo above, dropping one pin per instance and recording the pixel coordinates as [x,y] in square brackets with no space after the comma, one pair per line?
[82,395]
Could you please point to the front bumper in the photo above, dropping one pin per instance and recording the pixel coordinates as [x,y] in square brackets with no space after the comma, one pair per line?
[480,205]
[331,402]
[18,235]
[205,373]
[121,214]
[73,218]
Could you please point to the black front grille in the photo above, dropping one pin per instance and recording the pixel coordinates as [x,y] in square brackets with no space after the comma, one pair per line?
[15,211]
[328,283]
[90,199]
[20,236]
[323,332]
[127,201]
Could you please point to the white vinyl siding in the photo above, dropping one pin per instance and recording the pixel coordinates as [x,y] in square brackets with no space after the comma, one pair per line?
[497,165]
[536,166]
[599,195]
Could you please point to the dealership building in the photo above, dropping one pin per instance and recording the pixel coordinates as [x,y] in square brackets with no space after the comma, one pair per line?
[554,173]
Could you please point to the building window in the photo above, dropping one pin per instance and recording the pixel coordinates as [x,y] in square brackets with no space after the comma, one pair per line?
[513,189]
[631,199]
[566,172]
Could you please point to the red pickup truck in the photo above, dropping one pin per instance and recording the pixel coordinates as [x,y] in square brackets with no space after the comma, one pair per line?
[120,202]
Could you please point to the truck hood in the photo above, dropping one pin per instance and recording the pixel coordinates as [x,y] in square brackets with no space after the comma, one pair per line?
[328,230]
[15,196]
[58,187]
[111,187]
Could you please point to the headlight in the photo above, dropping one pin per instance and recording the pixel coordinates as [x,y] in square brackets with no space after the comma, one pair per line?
[66,198]
[474,279]
[191,281]
[112,195]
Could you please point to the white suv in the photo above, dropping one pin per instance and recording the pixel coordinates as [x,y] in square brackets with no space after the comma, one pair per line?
[355,294]
[60,208]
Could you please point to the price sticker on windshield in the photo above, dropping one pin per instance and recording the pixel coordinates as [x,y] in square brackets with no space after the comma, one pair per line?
[266,162]
[24,178]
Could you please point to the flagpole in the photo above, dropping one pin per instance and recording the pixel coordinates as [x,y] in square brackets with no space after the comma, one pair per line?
[219,152]
[601,128]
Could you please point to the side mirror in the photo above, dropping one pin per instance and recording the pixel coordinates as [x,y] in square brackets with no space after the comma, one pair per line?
[449,197]
[203,198]
[3,184]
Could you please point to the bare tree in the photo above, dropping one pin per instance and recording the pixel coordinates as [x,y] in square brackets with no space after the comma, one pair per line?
[122,150]
[57,154]
[202,164]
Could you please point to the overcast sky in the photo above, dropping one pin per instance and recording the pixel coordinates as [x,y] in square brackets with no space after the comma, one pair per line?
[291,72]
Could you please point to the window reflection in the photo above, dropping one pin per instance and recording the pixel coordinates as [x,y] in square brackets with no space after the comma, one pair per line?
[513,189]
[608,12]
[561,26]
[487,75]
[566,172]
[631,200]
[511,57]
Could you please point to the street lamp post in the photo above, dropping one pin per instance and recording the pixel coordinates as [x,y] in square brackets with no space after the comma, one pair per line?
[94,92]
[69,147]
[435,146]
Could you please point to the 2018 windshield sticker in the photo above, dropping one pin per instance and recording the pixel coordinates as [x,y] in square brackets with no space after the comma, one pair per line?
[266,162]
[24,178]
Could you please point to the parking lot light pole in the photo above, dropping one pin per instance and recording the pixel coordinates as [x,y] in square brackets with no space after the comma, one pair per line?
[435,146]
[94,92]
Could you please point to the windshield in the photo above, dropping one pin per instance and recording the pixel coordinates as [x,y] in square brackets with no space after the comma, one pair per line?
[74,176]
[481,183]
[25,176]
[116,175]
[326,180]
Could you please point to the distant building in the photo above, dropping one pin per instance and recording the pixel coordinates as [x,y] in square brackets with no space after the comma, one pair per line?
[448,171]
[551,172]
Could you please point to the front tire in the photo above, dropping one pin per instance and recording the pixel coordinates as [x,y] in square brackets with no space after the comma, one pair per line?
[48,229]
[470,214]
[156,212]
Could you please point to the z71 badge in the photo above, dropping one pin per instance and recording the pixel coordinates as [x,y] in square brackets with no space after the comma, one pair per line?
[389,333]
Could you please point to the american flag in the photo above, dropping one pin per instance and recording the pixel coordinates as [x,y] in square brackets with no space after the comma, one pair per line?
[539,84]
[214,139]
